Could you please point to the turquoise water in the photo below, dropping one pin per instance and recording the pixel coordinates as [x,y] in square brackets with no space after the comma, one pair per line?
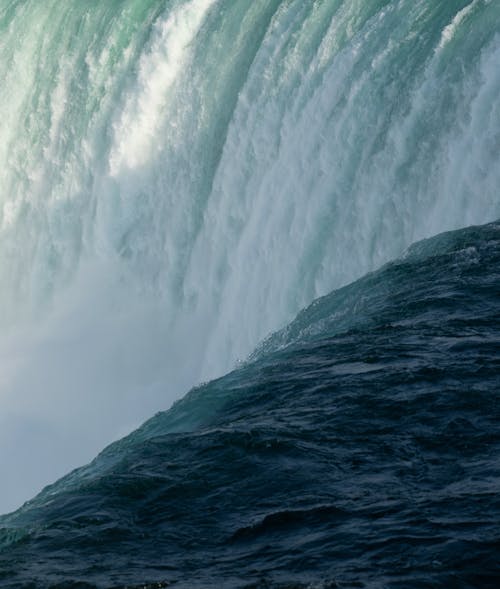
[178,179]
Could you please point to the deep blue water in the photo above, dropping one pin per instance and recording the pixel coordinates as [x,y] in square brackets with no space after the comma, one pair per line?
[357,448]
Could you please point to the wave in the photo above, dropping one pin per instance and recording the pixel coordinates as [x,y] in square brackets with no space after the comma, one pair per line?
[358,448]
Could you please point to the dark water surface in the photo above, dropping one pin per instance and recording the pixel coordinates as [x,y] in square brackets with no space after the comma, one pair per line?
[360,447]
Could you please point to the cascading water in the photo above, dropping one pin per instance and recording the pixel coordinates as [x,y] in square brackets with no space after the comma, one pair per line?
[179,178]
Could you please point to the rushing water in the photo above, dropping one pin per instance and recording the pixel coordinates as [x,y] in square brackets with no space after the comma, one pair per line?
[179,178]
[358,448]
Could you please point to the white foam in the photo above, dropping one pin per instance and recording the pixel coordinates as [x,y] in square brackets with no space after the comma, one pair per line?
[450,30]
[139,127]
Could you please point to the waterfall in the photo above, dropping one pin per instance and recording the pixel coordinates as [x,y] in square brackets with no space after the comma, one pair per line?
[179,178]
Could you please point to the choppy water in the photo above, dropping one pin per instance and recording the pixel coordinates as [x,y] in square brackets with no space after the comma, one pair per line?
[359,447]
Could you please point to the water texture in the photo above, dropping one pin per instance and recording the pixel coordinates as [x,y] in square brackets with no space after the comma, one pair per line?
[360,447]
[179,179]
